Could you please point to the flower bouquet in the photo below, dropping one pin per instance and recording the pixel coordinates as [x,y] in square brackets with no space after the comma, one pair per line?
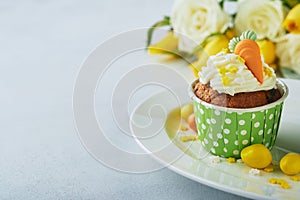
[200,28]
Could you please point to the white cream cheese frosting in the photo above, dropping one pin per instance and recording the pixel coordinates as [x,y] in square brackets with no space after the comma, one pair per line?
[227,73]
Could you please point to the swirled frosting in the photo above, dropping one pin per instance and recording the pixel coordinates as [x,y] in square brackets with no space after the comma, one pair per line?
[227,73]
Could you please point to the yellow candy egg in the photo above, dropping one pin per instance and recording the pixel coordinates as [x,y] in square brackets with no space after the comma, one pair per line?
[256,156]
[290,164]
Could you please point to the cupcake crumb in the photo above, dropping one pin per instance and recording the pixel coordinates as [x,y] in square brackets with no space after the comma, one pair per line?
[184,128]
[254,172]
[281,182]
[188,138]
[295,178]
[269,169]
[215,159]
[230,160]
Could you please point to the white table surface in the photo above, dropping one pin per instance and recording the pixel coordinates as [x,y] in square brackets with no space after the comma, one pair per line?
[42,46]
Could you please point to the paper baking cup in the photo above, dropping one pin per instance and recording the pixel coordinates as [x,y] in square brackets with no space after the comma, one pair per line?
[226,131]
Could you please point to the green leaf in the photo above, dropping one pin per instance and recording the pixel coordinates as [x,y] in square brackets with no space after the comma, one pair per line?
[221,3]
[164,22]
[290,3]
[289,73]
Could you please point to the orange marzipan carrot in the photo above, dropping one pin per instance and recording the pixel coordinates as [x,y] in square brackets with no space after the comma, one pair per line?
[249,51]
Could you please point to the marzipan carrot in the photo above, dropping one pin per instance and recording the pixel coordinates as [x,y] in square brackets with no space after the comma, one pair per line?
[249,51]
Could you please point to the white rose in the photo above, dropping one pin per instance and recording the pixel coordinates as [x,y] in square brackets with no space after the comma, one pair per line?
[288,51]
[265,17]
[194,20]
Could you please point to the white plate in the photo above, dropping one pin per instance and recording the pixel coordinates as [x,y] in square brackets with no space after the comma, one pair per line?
[157,133]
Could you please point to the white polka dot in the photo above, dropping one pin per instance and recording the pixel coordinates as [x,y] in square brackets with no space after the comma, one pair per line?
[271,116]
[217,112]
[229,112]
[208,121]
[252,139]
[260,132]
[213,121]
[253,115]
[203,126]
[240,113]
[256,125]
[228,121]
[262,111]
[201,111]
[242,122]
[216,144]
[265,125]
[236,142]
[267,111]
[243,132]
[219,135]
[226,131]
[210,135]
[225,150]
[269,131]
[198,120]
[236,152]
[244,142]
[205,141]
[275,125]
[199,107]
[226,141]
[213,150]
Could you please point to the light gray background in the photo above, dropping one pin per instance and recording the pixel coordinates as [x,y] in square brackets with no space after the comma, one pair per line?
[42,45]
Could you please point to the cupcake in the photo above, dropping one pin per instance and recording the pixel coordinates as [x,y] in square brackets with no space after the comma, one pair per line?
[237,99]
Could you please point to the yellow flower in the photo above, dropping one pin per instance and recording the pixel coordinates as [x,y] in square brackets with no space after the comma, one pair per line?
[168,44]
[292,21]
[230,33]
[274,66]
[213,46]
[267,49]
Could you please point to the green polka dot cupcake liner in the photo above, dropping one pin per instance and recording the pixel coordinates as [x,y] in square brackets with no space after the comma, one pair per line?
[226,131]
